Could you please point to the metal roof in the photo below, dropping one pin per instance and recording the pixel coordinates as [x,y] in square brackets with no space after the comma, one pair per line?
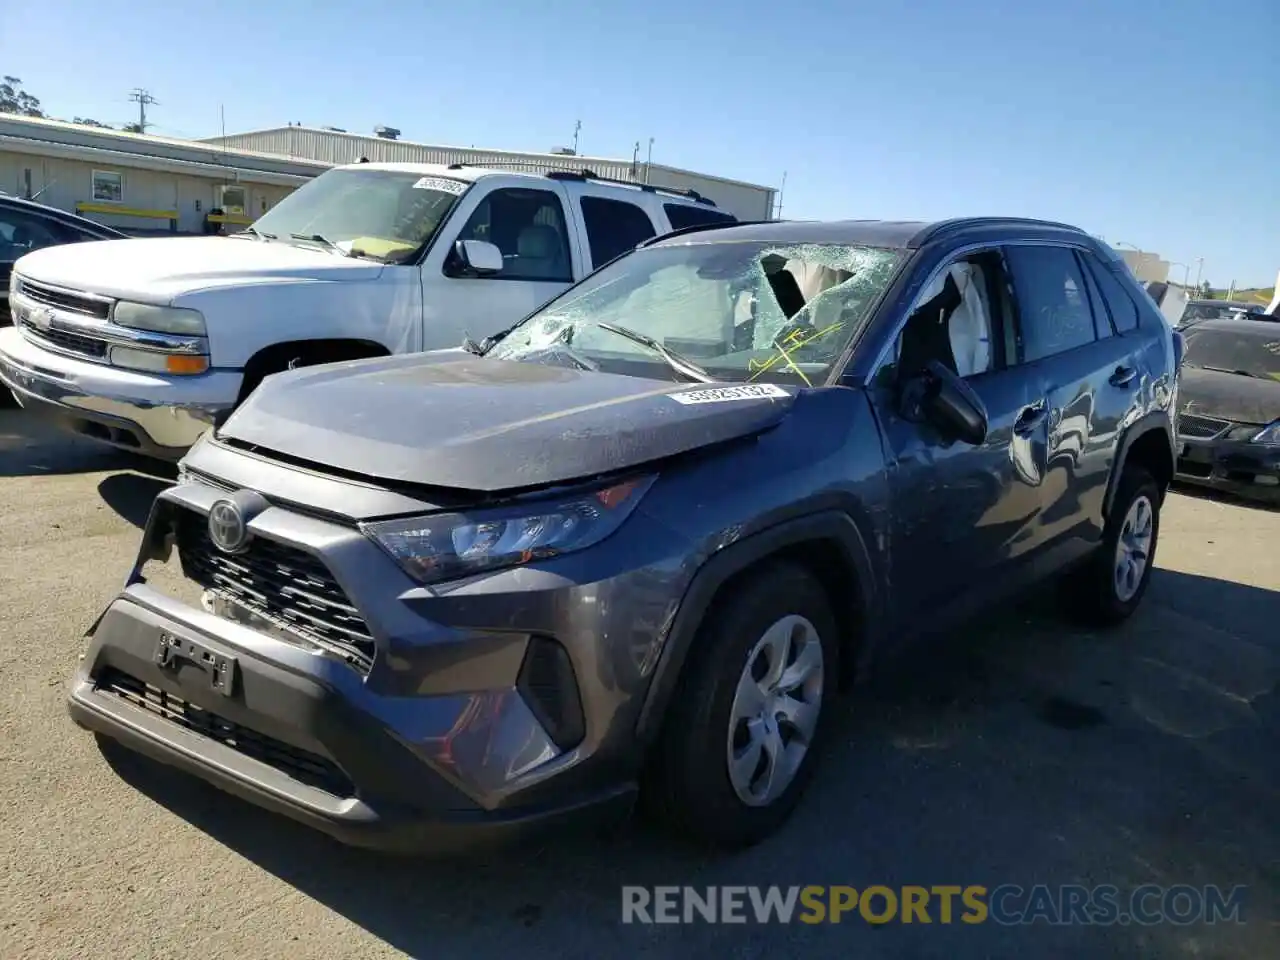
[568,161]
[60,138]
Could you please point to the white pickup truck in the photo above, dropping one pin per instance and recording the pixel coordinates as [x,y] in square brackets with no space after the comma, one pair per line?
[145,343]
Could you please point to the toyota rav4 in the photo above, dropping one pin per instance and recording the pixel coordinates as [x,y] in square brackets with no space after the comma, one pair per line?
[637,544]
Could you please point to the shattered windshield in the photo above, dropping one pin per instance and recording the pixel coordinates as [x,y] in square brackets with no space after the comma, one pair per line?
[1252,354]
[386,215]
[739,311]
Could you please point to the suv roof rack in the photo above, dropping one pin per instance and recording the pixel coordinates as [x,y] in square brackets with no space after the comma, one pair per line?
[588,174]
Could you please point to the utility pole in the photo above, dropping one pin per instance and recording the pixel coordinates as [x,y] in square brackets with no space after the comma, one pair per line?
[576,127]
[648,162]
[1199,268]
[142,98]
[781,190]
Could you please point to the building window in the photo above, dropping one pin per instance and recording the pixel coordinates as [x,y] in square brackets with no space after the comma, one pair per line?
[108,186]
[233,200]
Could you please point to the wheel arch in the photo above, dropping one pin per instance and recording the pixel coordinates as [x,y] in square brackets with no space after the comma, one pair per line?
[276,356]
[1148,442]
[828,544]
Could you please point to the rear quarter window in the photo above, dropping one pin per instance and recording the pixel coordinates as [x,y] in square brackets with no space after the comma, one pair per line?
[1121,305]
[684,215]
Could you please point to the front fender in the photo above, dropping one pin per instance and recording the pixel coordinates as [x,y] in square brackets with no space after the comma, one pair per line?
[831,526]
[242,320]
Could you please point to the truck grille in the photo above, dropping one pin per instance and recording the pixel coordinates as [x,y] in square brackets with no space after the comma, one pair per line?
[64,299]
[64,340]
[1190,425]
[288,587]
[305,767]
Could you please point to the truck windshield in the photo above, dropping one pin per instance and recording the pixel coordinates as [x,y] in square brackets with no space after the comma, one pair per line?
[389,215]
[739,311]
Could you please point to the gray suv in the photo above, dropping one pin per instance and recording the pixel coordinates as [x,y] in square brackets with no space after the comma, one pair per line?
[636,545]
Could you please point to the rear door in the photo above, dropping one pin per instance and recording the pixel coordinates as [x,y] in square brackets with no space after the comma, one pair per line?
[612,225]
[1090,379]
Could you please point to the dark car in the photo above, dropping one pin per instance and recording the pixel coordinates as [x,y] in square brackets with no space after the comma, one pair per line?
[26,226]
[1229,417]
[641,541]
[1198,310]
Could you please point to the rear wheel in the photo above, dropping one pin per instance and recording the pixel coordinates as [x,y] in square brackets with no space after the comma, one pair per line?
[740,739]
[1110,585]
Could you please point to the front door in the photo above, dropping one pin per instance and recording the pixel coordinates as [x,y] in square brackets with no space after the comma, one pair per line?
[963,518]
[531,228]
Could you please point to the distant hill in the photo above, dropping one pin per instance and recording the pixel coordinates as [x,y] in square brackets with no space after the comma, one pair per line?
[1260,295]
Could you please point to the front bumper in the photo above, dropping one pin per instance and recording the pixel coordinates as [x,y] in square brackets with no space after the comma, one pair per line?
[1237,467]
[147,413]
[452,735]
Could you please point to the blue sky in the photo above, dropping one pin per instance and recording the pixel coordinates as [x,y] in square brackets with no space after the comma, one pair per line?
[1151,123]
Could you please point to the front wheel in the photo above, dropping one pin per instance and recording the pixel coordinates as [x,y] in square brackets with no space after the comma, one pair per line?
[1109,587]
[740,739]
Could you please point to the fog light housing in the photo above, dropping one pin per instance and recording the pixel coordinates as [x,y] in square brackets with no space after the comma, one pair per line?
[550,689]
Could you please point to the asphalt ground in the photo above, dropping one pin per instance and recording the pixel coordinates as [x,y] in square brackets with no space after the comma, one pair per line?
[1018,751]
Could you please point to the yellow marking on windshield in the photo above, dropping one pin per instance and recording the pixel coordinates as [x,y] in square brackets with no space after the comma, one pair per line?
[795,340]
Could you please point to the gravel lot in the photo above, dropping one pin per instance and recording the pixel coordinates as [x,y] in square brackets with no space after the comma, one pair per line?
[1017,751]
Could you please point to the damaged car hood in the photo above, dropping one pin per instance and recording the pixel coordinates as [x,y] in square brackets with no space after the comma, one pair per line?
[1229,396]
[450,419]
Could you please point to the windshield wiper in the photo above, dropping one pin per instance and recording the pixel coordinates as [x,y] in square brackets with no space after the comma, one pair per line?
[676,362]
[1239,373]
[320,238]
[255,232]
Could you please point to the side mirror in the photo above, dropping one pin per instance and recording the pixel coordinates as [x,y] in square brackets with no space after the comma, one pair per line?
[479,257]
[949,403]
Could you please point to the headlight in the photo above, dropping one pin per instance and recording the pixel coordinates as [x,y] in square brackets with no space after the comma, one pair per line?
[446,546]
[144,316]
[1268,434]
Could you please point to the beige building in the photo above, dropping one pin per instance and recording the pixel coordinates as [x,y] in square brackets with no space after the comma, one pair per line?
[140,183]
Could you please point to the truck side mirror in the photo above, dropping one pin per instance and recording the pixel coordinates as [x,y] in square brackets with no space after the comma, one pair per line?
[479,257]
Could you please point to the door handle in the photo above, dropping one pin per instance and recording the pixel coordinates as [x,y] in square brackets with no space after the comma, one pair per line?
[1122,377]
[1029,418]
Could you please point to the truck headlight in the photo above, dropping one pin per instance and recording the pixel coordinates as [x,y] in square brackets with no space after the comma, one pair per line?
[145,316]
[446,546]
[1268,434]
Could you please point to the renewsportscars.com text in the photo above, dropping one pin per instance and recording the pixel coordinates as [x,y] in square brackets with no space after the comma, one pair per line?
[1007,904]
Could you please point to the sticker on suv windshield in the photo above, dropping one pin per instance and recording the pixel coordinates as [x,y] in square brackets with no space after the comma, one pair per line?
[441,184]
[750,391]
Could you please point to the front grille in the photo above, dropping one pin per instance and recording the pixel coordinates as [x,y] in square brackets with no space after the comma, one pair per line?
[64,340]
[1190,425]
[303,766]
[64,299]
[288,587]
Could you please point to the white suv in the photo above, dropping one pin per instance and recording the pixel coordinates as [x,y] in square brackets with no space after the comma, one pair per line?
[144,343]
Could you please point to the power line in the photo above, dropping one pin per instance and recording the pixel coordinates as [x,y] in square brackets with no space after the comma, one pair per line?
[142,98]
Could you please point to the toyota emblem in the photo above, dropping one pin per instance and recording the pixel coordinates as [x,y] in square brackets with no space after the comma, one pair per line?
[227,527]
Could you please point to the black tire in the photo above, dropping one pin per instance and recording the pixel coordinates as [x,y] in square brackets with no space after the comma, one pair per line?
[686,784]
[1091,591]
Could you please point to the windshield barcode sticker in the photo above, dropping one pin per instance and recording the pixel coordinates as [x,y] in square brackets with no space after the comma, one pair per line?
[440,183]
[750,391]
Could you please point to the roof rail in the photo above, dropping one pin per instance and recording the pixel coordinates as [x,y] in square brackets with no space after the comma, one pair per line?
[934,230]
[586,174]
[699,227]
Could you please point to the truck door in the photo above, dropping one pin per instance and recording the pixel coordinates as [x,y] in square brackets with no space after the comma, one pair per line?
[530,226]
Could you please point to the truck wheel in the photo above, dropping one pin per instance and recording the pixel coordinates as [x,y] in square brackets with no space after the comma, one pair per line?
[740,739]
[1110,585]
